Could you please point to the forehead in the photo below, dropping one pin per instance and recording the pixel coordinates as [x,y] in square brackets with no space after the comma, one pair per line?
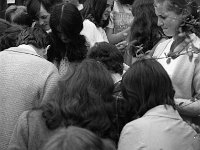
[43,11]
[110,2]
[161,7]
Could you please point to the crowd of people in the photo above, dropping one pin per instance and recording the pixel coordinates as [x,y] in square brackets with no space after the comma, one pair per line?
[100,75]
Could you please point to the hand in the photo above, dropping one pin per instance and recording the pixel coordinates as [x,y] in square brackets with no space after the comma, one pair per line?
[122,45]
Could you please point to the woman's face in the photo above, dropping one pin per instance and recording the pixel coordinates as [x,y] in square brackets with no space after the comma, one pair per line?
[44,17]
[108,9]
[169,21]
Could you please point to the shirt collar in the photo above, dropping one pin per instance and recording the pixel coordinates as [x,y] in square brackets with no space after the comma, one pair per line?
[164,111]
[28,47]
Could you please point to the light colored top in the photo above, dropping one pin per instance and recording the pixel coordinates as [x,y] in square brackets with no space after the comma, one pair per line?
[31,132]
[92,33]
[159,129]
[185,75]
[120,17]
[27,80]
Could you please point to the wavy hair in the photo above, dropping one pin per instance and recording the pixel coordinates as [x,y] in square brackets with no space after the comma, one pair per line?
[146,85]
[66,23]
[109,55]
[84,100]
[75,138]
[144,28]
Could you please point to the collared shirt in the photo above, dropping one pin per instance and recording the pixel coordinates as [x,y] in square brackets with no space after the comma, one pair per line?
[159,129]
[28,47]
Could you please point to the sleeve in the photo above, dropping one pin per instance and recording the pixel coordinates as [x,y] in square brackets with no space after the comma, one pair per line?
[131,138]
[91,33]
[187,106]
[50,85]
[19,139]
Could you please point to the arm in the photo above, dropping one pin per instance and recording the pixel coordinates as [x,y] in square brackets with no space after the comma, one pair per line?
[19,139]
[50,85]
[186,106]
[118,37]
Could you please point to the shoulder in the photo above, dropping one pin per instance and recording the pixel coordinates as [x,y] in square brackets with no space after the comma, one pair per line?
[88,23]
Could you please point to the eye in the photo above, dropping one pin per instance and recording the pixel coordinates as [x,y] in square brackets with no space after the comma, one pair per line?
[43,17]
[162,17]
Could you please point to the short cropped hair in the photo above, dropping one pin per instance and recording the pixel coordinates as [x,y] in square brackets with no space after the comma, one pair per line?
[34,36]
[109,55]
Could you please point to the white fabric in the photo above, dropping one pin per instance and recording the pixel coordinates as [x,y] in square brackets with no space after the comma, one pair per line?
[159,129]
[185,74]
[92,33]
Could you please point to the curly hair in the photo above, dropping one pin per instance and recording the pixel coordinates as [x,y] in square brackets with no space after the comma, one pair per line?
[66,23]
[146,84]
[109,55]
[75,138]
[84,99]
[144,28]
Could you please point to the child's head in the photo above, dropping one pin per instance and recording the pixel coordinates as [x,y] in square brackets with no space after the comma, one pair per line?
[75,138]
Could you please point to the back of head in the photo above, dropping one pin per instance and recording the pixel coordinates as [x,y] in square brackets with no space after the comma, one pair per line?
[109,55]
[147,85]
[93,10]
[87,103]
[35,36]
[144,28]
[66,24]
[9,37]
[75,138]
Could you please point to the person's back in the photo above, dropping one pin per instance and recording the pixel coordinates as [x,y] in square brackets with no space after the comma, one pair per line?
[27,79]
[159,128]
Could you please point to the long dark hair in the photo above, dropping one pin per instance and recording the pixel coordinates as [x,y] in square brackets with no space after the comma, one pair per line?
[83,100]
[146,84]
[93,10]
[66,24]
[144,28]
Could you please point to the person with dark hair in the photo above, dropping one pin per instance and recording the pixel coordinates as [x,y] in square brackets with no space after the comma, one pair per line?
[180,21]
[144,29]
[4,25]
[27,79]
[40,10]
[112,58]
[96,14]
[69,47]
[83,99]
[18,15]
[9,37]
[148,86]
[75,138]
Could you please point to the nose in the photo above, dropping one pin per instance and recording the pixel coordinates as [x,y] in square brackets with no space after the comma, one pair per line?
[160,22]
[41,21]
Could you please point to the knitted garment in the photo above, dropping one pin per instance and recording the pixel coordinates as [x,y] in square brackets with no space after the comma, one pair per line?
[26,80]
